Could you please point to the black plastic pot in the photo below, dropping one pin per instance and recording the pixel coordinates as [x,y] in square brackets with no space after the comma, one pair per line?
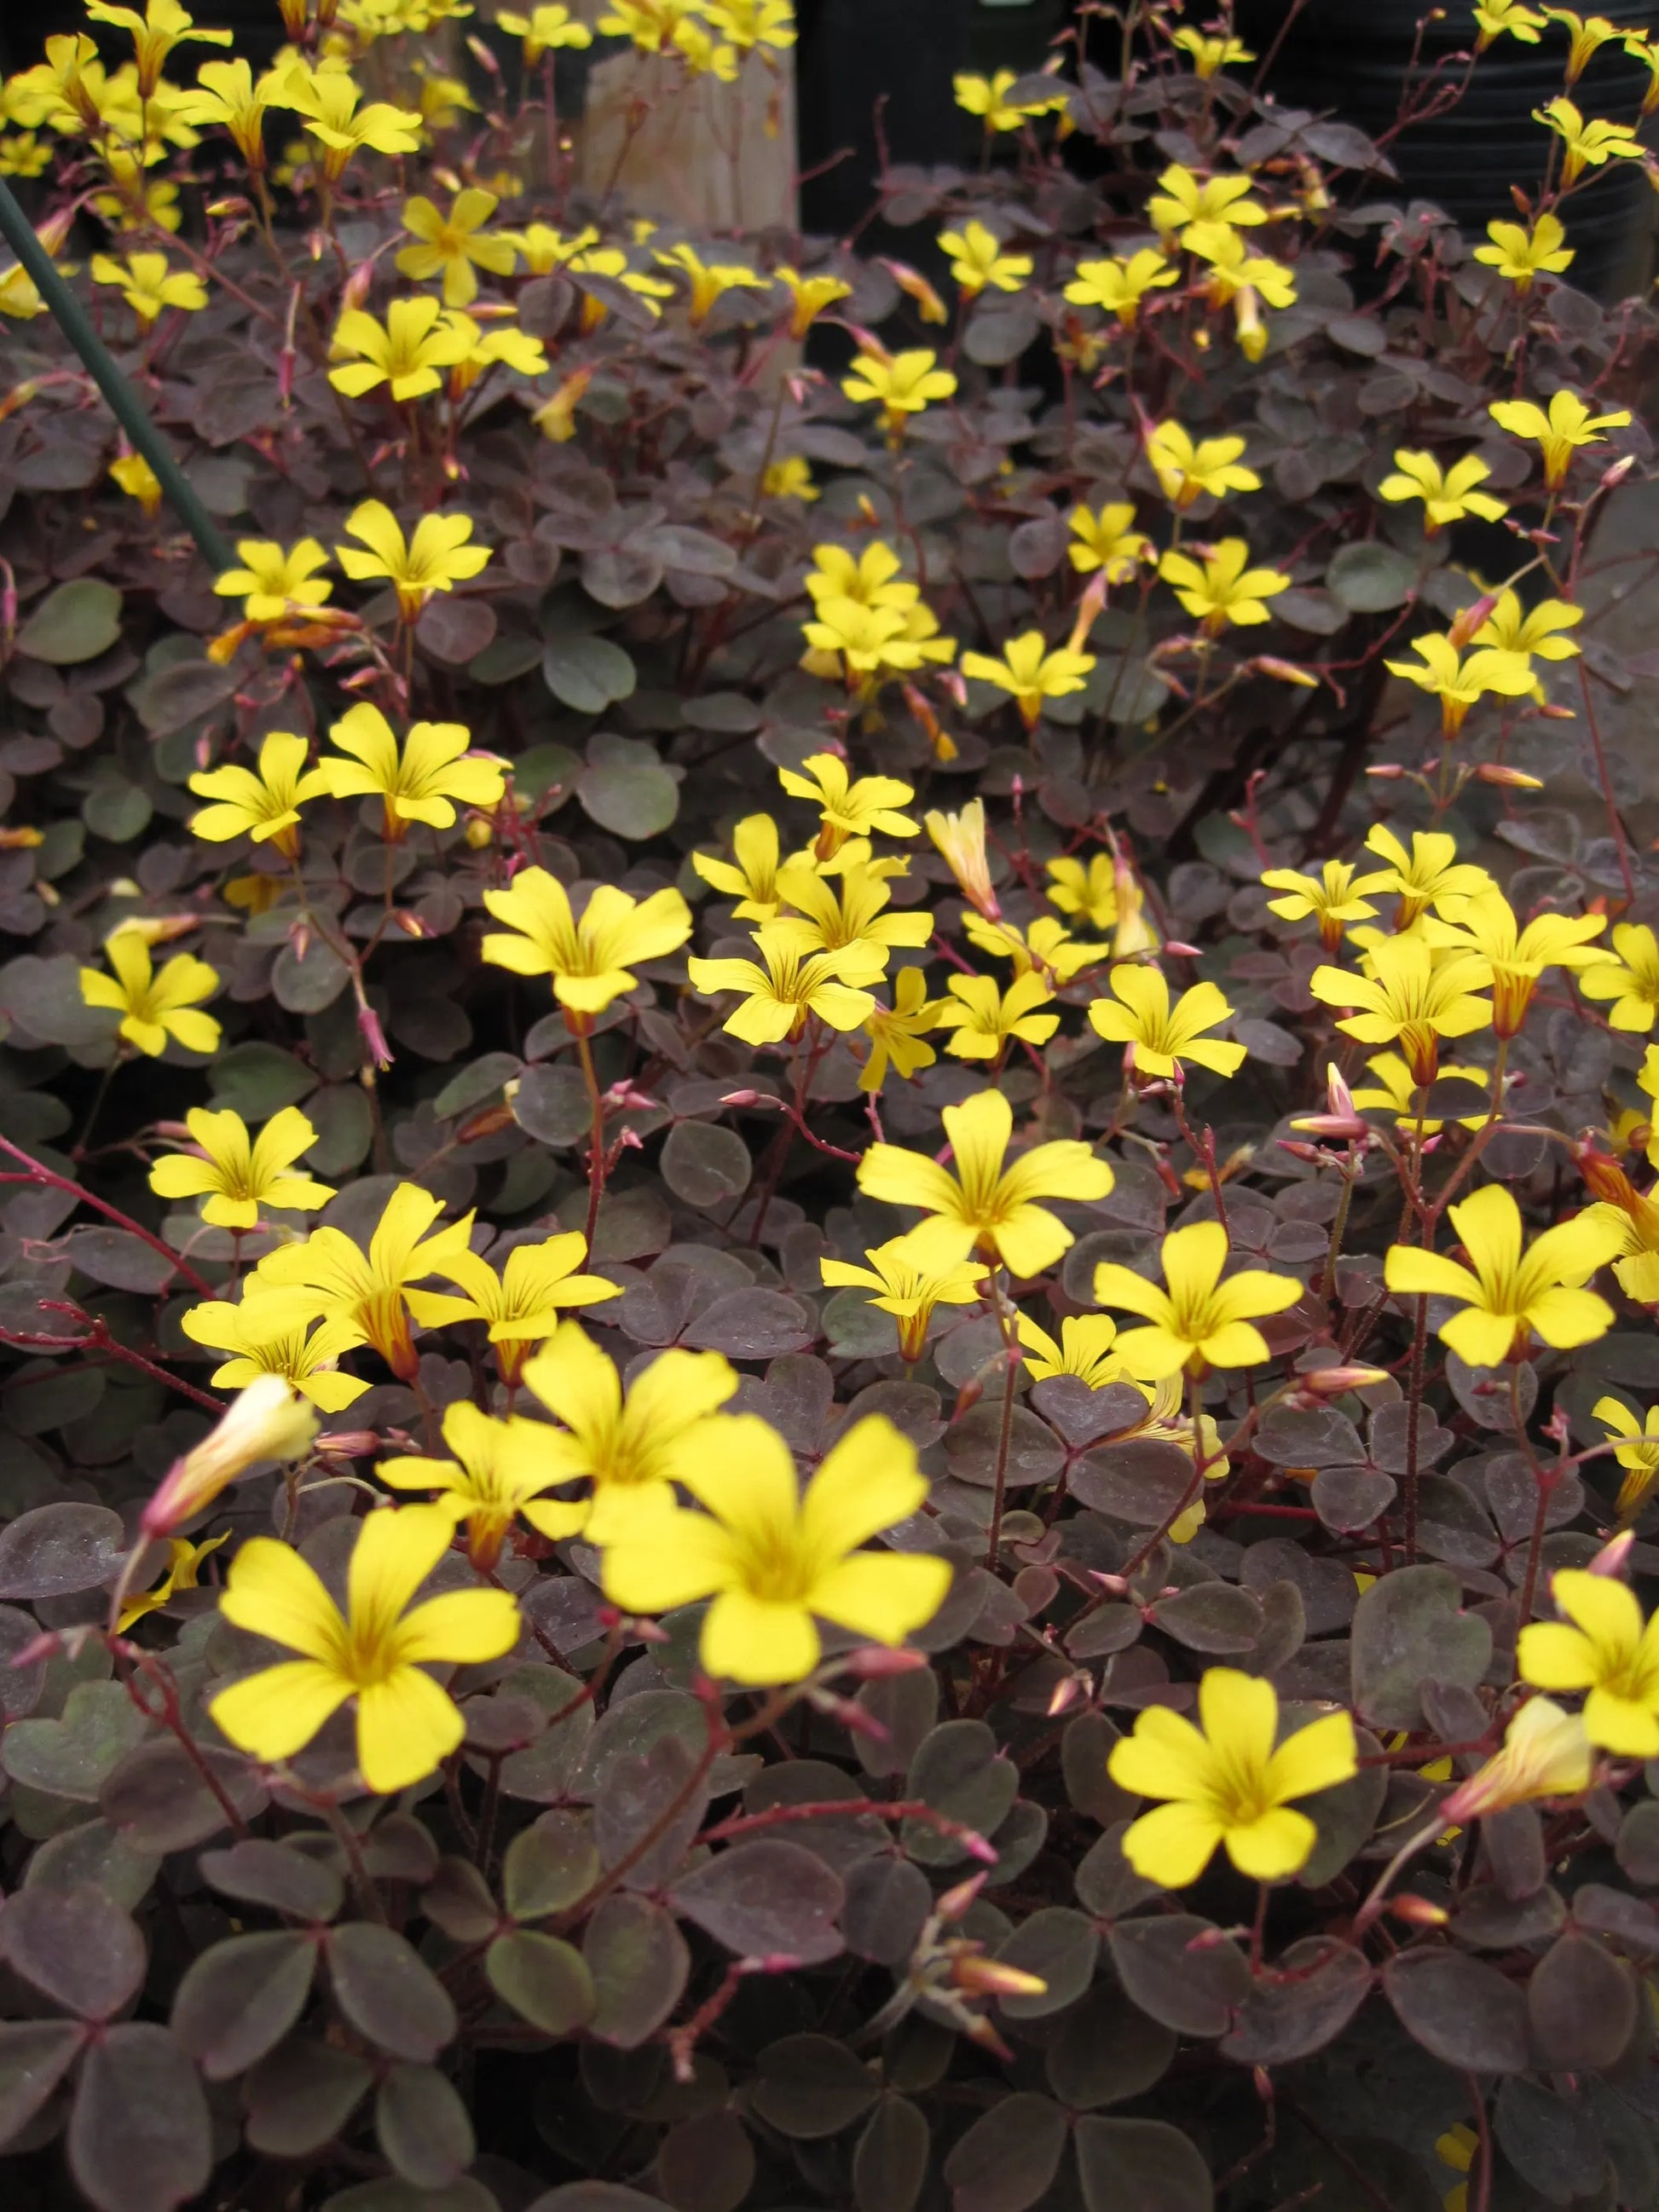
[1354,59]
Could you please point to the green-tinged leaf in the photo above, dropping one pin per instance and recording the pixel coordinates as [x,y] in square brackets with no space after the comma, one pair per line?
[75,622]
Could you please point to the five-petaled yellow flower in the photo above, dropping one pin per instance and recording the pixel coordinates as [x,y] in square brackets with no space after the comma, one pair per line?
[1458,681]
[374,1652]
[148,286]
[330,1277]
[1334,898]
[1591,144]
[274,580]
[1448,495]
[1636,1452]
[455,246]
[404,353]
[498,1471]
[751,876]
[261,1343]
[706,280]
[1426,876]
[1518,254]
[907,1289]
[1119,285]
[989,1204]
[809,296]
[1159,1038]
[1210,54]
[902,384]
[629,1450]
[1508,1294]
[1090,893]
[1603,1647]
[238,1175]
[1224,1783]
[848,808]
[897,1033]
[1030,672]
[1202,1320]
[1219,588]
[591,961]
[984,1020]
[1084,1348]
[419,781]
[327,100]
[435,559]
[1185,471]
[164,25]
[775,1560]
[1408,999]
[849,909]
[545,29]
[1537,631]
[1495,17]
[1184,198]
[1568,425]
[1518,956]
[978,261]
[1107,540]
[1632,981]
[787,983]
[264,803]
[523,1304]
[155,1007]
[988,97]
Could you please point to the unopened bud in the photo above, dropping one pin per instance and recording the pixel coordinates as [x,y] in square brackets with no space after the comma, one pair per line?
[1617,471]
[1284,672]
[1465,624]
[1386,771]
[955,1902]
[1512,779]
[1553,713]
[873,1662]
[1417,1911]
[349,1444]
[1337,1381]
[746,1098]
[982,1977]
[1297,1151]
[268,1420]
[1614,1557]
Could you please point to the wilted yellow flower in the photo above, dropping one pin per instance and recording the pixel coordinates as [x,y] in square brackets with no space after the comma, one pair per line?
[138,480]
[266,1421]
[1636,1452]
[809,296]
[1545,1754]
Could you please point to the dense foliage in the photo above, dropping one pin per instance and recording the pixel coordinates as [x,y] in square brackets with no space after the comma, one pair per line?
[828,1280]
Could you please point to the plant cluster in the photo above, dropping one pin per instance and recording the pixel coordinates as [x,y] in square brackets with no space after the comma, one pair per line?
[828,1255]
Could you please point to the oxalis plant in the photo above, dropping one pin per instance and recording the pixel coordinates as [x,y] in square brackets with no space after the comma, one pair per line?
[828,1255]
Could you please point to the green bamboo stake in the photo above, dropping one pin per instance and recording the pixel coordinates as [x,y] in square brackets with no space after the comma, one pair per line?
[124,405]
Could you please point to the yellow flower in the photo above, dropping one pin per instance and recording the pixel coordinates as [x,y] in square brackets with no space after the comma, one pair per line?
[988,97]
[163,26]
[1242,278]
[1408,999]
[809,296]
[326,99]
[153,1008]
[301,1357]
[866,641]
[137,478]
[1545,1754]
[503,343]
[977,260]
[1397,1091]
[984,1020]
[1159,1038]
[436,558]
[1633,983]
[1646,52]
[330,1277]
[404,353]
[755,23]
[908,1289]
[544,30]
[1219,588]
[989,1204]
[750,876]
[455,246]
[1637,1454]
[418,782]
[1223,1783]
[590,961]
[788,983]
[1559,433]
[1210,54]
[706,281]
[1030,673]
[1587,35]
[960,839]
[264,803]
[1608,1650]
[184,1573]
[903,383]
[1045,946]
[524,1305]
[1537,632]
[374,1653]
[226,95]
[629,1450]
[499,1471]
[1518,253]
[1588,145]
[1090,893]
[1517,956]
[1447,495]
[848,808]
[23,154]
[275,580]
[1497,16]
[1200,1322]
[1108,541]
[1458,2146]
[149,287]
[1084,1349]
[702,54]
[772,1558]
[1333,898]
[650,24]
[1442,671]
[239,1175]
[895,1032]
[848,914]
[1184,199]
[789,478]
[266,1421]
[1184,470]
[872,578]
[1426,876]
[1509,1296]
